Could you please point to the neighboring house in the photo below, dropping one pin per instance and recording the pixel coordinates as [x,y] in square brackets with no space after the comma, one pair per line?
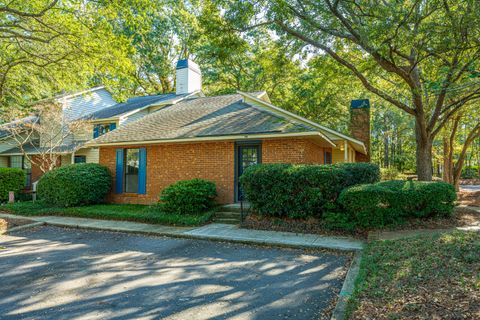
[99,114]
[217,138]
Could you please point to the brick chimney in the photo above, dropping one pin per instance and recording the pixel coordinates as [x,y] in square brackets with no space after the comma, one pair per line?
[360,126]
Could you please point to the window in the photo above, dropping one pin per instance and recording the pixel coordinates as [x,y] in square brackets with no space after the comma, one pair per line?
[80,159]
[101,129]
[22,163]
[132,164]
[27,166]
[131,170]
[16,162]
[328,157]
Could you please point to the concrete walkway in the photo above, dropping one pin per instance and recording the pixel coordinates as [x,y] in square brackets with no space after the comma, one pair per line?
[470,188]
[214,231]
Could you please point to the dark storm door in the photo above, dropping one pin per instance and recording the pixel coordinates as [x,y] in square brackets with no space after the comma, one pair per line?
[247,155]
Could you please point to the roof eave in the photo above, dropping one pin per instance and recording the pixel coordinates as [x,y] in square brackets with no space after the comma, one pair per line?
[101,120]
[214,138]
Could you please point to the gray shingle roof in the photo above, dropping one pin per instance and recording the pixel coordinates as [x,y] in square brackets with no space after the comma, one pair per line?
[34,148]
[5,129]
[204,117]
[130,105]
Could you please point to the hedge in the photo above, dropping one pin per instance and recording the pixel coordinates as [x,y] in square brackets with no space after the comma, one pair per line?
[75,185]
[11,179]
[361,172]
[299,191]
[386,203]
[189,196]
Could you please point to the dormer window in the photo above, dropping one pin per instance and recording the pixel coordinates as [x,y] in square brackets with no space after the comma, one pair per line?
[102,128]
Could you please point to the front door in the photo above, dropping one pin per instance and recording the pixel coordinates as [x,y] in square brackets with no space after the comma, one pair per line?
[247,155]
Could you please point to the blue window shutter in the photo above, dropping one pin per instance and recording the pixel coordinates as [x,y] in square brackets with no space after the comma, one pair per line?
[142,171]
[113,125]
[119,172]
[95,131]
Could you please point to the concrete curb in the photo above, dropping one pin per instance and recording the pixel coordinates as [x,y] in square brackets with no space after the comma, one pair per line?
[25,226]
[186,233]
[340,310]
[206,238]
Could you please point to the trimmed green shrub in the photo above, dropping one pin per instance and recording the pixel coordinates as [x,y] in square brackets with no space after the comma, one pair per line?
[360,172]
[11,179]
[470,172]
[75,185]
[390,202]
[422,199]
[338,220]
[189,196]
[300,191]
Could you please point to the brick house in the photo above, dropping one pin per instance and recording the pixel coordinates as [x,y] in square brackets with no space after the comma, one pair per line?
[216,138]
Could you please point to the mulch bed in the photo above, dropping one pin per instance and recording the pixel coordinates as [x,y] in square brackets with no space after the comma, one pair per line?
[312,226]
[463,217]
[8,223]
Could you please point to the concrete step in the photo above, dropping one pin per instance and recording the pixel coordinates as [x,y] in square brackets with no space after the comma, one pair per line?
[235,207]
[223,214]
[226,220]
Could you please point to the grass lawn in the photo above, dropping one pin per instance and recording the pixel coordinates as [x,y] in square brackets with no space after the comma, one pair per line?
[127,212]
[429,277]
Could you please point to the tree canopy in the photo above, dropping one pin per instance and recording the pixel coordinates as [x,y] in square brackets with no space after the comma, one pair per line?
[47,47]
[419,56]
[416,60]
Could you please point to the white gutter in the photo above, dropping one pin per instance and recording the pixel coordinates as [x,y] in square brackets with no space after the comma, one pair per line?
[215,138]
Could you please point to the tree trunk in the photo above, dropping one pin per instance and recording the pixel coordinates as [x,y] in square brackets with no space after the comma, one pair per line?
[424,150]
[457,170]
[386,162]
[448,145]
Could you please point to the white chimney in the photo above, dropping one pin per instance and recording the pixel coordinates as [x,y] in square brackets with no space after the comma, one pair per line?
[189,77]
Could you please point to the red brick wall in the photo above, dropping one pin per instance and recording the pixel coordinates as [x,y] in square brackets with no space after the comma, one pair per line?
[297,151]
[168,163]
[314,154]
[36,171]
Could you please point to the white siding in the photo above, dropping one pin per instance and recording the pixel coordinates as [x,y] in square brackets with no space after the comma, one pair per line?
[92,155]
[3,162]
[84,133]
[339,155]
[87,103]
[50,128]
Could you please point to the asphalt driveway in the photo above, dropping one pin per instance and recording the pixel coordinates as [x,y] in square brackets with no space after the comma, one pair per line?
[55,273]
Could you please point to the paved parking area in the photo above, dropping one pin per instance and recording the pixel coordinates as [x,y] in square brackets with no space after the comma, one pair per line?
[56,273]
